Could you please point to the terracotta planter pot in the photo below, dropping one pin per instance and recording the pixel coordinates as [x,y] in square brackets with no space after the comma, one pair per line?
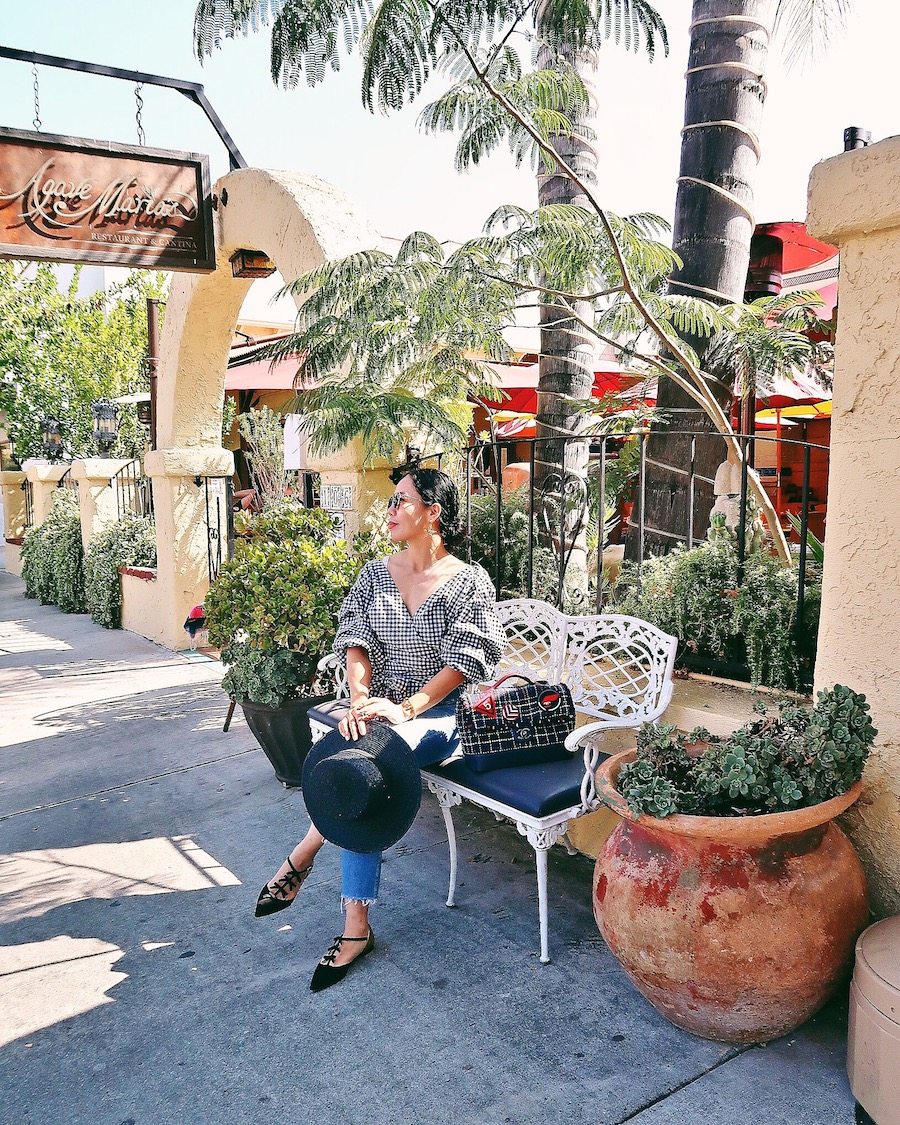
[284,734]
[735,928]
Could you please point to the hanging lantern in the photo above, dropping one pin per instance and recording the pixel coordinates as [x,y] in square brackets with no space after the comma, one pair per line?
[51,433]
[106,424]
[251,263]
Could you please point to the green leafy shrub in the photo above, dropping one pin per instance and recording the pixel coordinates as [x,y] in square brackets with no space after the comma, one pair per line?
[773,764]
[286,520]
[694,595]
[129,542]
[53,556]
[689,594]
[273,608]
[513,538]
[268,676]
[263,433]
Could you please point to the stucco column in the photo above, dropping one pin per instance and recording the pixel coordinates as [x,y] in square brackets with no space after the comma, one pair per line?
[13,519]
[45,477]
[97,493]
[13,504]
[854,202]
[180,507]
[354,495]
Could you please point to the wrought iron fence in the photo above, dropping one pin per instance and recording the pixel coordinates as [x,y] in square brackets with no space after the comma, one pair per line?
[28,488]
[218,495]
[66,481]
[134,491]
[528,536]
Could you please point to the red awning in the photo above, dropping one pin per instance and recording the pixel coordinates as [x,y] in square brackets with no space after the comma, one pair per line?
[520,384]
[260,376]
[801,250]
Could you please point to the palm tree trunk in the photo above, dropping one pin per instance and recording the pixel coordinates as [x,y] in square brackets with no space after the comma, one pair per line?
[566,362]
[714,223]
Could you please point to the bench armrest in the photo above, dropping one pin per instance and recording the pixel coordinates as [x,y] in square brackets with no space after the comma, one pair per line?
[335,667]
[588,729]
[592,755]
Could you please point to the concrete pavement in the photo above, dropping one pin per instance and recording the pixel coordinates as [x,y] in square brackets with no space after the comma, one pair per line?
[136,988]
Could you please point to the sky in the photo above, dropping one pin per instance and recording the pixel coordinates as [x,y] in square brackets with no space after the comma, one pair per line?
[406,180]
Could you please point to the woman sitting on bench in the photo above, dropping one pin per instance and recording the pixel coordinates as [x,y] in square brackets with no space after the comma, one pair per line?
[413,630]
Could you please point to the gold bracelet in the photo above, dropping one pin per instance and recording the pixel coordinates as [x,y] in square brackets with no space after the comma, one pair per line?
[408,710]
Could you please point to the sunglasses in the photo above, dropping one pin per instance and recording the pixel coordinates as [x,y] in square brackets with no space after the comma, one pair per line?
[398,498]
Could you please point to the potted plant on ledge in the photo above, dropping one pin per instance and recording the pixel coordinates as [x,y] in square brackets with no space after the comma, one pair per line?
[273,611]
[727,892]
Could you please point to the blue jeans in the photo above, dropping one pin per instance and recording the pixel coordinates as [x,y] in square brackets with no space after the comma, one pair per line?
[432,738]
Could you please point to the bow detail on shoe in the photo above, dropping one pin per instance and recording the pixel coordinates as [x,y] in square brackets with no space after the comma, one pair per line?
[274,896]
[327,973]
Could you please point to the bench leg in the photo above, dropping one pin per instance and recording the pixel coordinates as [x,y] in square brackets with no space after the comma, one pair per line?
[540,855]
[542,840]
[447,799]
[568,845]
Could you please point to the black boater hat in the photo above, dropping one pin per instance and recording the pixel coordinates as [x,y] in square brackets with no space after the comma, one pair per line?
[362,795]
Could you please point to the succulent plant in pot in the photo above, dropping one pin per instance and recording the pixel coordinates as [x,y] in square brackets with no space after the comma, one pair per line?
[273,611]
[727,892]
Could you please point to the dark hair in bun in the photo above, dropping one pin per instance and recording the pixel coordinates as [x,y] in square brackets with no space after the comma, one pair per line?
[436,487]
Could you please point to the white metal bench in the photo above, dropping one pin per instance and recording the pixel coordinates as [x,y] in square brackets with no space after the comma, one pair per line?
[619,671]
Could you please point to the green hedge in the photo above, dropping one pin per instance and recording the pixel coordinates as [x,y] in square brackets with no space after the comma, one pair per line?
[129,542]
[694,595]
[53,556]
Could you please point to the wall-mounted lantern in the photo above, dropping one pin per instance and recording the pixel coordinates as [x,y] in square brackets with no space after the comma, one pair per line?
[251,263]
[106,424]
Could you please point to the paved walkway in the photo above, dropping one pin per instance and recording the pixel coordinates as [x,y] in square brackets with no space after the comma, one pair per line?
[136,988]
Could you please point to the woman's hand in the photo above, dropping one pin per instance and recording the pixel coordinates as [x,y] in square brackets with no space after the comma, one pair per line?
[353,725]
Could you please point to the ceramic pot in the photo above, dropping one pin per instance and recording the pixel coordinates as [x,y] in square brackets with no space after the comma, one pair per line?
[735,928]
[284,734]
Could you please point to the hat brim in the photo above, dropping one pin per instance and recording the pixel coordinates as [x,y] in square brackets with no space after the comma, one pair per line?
[390,820]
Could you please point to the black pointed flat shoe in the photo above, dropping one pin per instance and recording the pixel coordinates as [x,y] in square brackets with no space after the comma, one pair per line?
[272,897]
[327,973]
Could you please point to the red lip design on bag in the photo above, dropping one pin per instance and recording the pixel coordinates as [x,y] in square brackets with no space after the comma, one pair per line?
[550,700]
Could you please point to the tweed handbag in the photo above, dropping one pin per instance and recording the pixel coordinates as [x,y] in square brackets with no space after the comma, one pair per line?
[515,726]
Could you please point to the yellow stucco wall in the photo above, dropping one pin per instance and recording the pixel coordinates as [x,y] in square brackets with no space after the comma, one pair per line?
[12,559]
[45,478]
[855,202]
[13,504]
[97,494]
[140,607]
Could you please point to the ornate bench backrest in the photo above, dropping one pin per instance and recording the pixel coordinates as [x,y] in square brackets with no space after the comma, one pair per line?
[616,667]
[535,639]
[619,667]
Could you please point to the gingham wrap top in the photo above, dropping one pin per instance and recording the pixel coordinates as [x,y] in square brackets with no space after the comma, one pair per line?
[456,626]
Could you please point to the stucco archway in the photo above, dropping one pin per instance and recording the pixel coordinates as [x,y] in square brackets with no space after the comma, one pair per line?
[299,221]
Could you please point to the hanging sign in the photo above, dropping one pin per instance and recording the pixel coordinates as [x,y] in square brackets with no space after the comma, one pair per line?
[64,199]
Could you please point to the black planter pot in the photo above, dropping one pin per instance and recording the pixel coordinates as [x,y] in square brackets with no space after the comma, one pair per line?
[284,734]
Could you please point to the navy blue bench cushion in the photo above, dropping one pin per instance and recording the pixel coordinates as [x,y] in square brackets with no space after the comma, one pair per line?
[330,713]
[536,790]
